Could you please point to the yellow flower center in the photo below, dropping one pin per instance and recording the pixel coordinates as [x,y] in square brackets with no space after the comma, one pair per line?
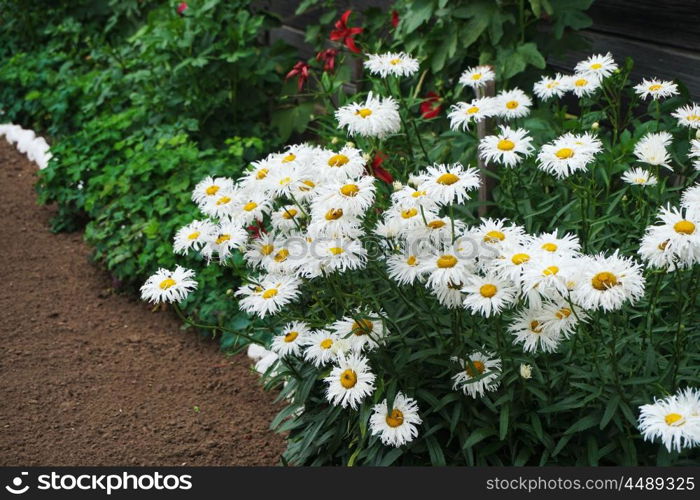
[336,250]
[167,283]
[338,160]
[655,87]
[603,281]
[282,255]
[472,110]
[334,214]
[488,290]
[267,249]
[348,379]
[194,236]
[307,185]
[212,190]
[505,145]
[520,258]
[436,224]
[476,76]
[268,294]
[395,419]
[581,82]
[447,179]
[446,261]
[494,237]
[262,173]
[562,313]
[674,419]
[550,271]
[512,104]
[693,118]
[363,112]
[535,326]
[411,212]
[223,238]
[550,247]
[553,84]
[326,343]
[362,327]
[564,153]
[480,367]
[418,194]
[291,336]
[289,213]
[251,205]
[223,200]
[290,157]
[640,180]
[684,227]
[350,190]
[395,61]
[411,261]
[285,180]
[596,66]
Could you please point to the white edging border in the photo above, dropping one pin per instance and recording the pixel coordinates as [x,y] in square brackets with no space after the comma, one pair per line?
[28,143]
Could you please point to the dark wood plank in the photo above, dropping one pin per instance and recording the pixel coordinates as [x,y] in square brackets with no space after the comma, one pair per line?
[669,22]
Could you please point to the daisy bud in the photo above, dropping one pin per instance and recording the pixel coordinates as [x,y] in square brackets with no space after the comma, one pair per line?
[334,140]
[229,292]
[595,126]
[525,371]
[350,144]
[367,157]
[397,185]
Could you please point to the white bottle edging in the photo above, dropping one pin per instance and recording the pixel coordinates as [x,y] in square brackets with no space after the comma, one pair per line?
[28,143]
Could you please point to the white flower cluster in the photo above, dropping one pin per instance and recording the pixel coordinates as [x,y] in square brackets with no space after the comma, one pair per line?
[27,142]
[675,420]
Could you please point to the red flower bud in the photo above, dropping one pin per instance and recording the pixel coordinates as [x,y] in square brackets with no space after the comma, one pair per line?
[430,107]
[395,18]
[182,8]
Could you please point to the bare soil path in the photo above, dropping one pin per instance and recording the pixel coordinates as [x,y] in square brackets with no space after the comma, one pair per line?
[90,377]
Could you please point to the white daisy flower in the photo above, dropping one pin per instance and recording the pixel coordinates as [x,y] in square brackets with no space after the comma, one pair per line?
[549,87]
[319,347]
[376,117]
[333,255]
[511,261]
[221,205]
[248,207]
[651,149]
[269,295]
[654,250]
[568,244]
[409,197]
[332,221]
[568,154]
[445,268]
[296,155]
[546,277]
[509,147]
[350,382]
[488,295]
[673,420]
[352,196]
[477,76]
[608,282]
[656,89]
[639,177]
[561,318]
[292,339]
[679,231]
[449,294]
[287,218]
[398,427]
[260,250]
[364,330]
[493,234]
[404,268]
[209,187]
[688,116]
[528,328]
[512,104]
[583,85]
[348,163]
[480,373]
[226,237]
[599,65]
[449,183]
[168,286]
[695,153]
[464,113]
[690,199]
[397,64]
[256,178]
[194,236]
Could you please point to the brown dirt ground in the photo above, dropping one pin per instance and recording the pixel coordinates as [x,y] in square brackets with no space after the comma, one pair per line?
[89,377]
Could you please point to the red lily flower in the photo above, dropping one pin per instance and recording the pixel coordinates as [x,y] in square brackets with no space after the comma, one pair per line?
[379,172]
[302,69]
[182,8]
[327,57]
[345,34]
[430,107]
[395,18]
